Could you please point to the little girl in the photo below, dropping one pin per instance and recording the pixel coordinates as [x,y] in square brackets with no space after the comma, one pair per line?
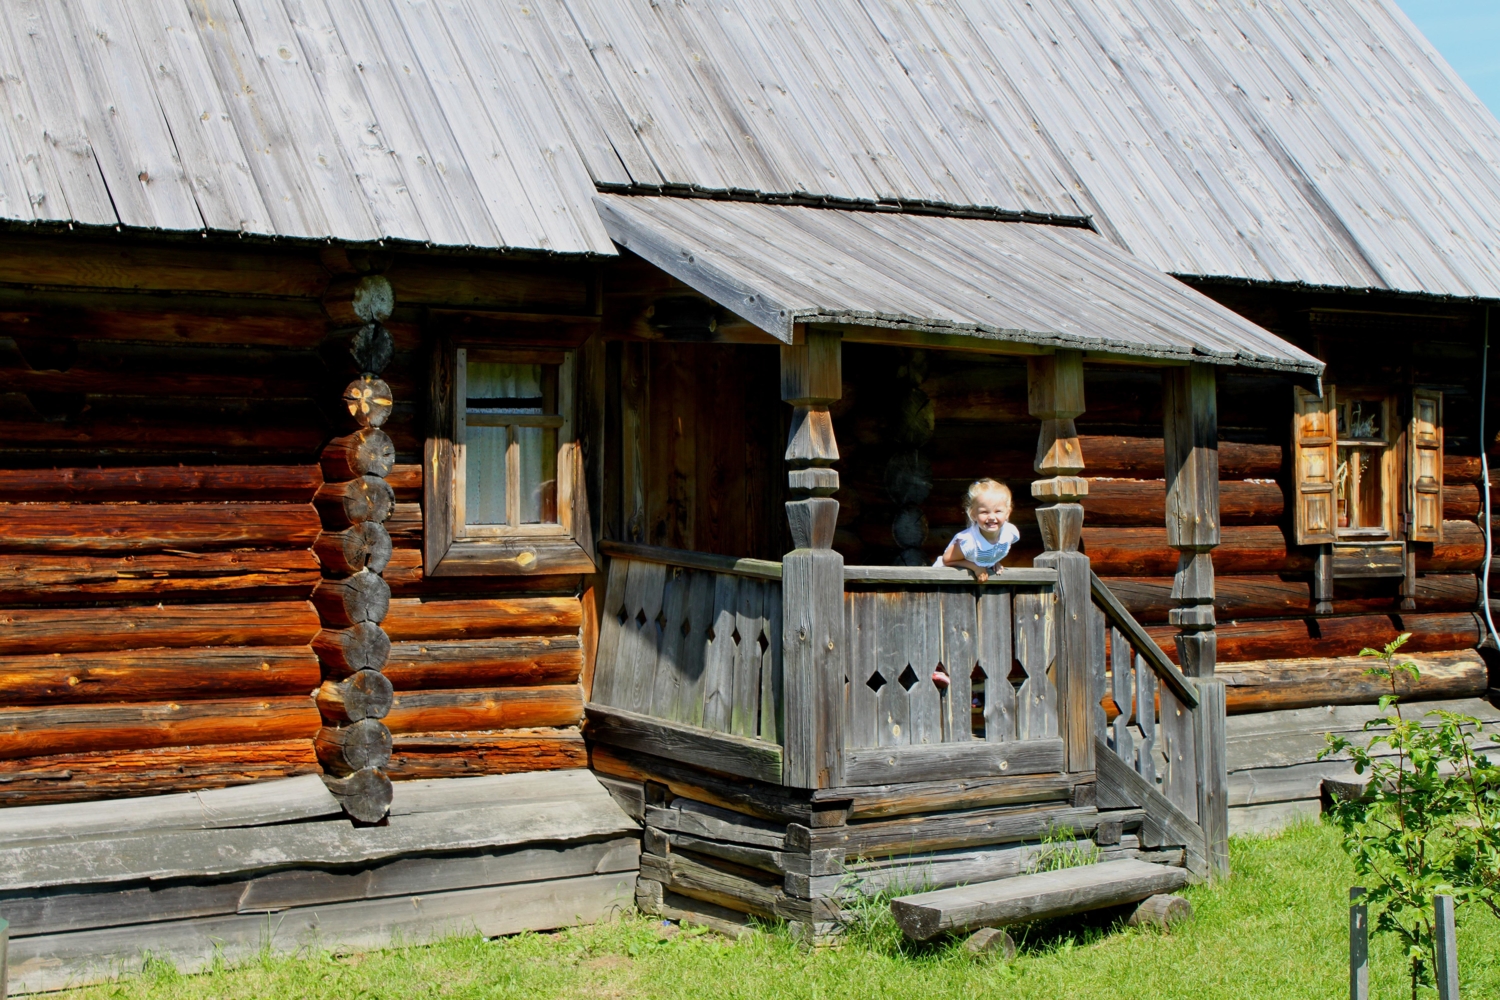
[987,540]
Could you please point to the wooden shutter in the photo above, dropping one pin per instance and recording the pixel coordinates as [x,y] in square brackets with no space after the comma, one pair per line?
[1314,462]
[1424,466]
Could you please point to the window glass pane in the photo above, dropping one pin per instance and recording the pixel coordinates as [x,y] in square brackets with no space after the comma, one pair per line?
[538,474]
[1359,489]
[496,387]
[484,474]
[1363,419]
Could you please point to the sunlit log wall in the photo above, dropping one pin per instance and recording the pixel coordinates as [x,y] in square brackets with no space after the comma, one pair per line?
[163,410]
[1264,607]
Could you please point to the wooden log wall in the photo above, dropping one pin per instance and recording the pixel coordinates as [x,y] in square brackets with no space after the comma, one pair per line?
[1263,579]
[169,514]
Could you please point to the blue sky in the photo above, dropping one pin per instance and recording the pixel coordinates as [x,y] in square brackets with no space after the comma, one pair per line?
[1467,33]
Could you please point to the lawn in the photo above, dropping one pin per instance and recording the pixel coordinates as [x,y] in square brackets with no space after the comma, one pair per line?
[1276,929]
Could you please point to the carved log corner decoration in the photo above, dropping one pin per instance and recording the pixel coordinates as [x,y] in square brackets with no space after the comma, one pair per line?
[812,574]
[353,548]
[1054,385]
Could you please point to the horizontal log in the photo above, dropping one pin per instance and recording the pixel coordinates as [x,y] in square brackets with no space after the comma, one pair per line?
[493,708]
[57,729]
[98,366]
[1257,550]
[36,578]
[90,775]
[114,427]
[405,525]
[363,597]
[1149,599]
[1326,637]
[747,796]
[1272,685]
[406,480]
[953,454]
[1461,469]
[485,662]
[261,483]
[107,265]
[457,755]
[82,630]
[945,831]
[722,752]
[54,527]
[346,749]
[368,498]
[404,573]
[413,619]
[151,674]
[1463,502]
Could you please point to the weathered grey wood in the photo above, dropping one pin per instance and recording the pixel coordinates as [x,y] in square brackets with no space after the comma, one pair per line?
[995,621]
[1009,577]
[666,698]
[1141,641]
[705,748]
[1162,911]
[689,690]
[645,592]
[1032,897]
[940,869]
[1035,649]
[49,962]
[772,677]
[944,831]
[940,761]
[577,808]
[611,629]
[893,704]
[1212,772]
[1359,945]
[863,645]
[873,801]
[258,804]
[693,877]
[630,796]
[60,912]
[1180,746]
[1445,940]
[744,713]
[1122,690]
[707,562]
[1098,665]
[959,658]
[813,667]
[924,644]
[365,795]
[525,788]
[1145,716]
[761,858]
[703,820]
[1072,674]
[1165,824]
[718,671]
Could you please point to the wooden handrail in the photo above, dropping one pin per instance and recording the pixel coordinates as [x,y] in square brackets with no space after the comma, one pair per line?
[761,568]
[946,575]
[1125,622]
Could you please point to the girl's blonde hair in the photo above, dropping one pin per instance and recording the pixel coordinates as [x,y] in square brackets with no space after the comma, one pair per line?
[979,488]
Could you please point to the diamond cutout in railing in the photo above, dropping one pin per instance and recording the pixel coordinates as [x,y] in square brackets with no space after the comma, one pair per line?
[876,681]
[1018,675]
[687,628]
[908,678]
[763,642]
[640,617]
[622,617]
[734,637]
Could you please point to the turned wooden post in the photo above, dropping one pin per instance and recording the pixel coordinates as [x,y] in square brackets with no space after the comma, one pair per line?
[812,574]
[1055,394]
[1190,433]
[354,547]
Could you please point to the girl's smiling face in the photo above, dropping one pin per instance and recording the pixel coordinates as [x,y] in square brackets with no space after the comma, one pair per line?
[991,510]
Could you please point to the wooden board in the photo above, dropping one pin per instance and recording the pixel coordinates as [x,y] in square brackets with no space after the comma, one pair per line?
[715,751]
[974,759]
[943,831]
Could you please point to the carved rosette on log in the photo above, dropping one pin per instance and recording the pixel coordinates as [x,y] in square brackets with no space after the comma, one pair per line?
[908,475]
[354,547]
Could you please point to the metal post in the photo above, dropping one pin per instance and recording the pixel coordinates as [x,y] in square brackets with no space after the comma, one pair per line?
[1447,948]
[1359,945]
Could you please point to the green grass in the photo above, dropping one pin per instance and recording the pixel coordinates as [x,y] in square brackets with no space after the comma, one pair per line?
[1277,929]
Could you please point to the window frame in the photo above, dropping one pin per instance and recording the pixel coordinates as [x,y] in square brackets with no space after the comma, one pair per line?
[454,548]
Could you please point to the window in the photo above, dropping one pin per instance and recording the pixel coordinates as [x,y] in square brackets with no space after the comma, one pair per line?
[1350,466]
[502,463]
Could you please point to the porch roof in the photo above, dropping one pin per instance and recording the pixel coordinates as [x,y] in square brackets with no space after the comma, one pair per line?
[1027,283]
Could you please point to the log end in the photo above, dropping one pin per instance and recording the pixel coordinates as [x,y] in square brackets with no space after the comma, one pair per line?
[917,922]
[365,795]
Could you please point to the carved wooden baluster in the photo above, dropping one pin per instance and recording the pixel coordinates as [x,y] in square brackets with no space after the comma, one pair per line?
[1122,689]
[354,547]
[1055,395]
[813,574]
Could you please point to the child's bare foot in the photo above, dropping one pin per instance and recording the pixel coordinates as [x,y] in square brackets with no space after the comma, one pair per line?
[941,679]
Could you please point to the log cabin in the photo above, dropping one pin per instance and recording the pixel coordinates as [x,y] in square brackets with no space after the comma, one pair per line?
[479,466]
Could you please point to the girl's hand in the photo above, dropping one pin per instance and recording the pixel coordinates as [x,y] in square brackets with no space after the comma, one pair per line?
[981,574]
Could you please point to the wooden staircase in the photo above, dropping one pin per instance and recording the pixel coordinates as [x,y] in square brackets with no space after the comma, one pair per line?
[1038,896]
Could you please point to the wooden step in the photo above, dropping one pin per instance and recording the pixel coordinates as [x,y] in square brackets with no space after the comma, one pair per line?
[1033,897]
